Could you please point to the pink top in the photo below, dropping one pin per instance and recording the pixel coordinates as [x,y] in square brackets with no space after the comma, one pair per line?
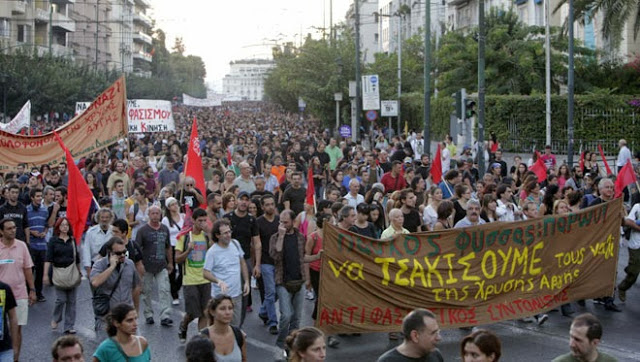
[13,261]
[315,265]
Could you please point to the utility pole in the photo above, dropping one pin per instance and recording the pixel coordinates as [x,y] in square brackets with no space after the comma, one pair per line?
[570,89]
[481,86]
[97,15]
[426,133]
[356,131]
[547,46]
[399,66]
[331,21]
[50,27]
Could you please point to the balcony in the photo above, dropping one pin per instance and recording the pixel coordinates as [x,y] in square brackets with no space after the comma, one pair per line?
[143,56]
[42,15]
[457,2]
[18,7]
[57,50]
[142,37]
[63,22]
[144,3]
[63,1]
[143,19]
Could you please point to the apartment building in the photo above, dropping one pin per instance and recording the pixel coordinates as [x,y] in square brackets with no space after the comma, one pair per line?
[369,32]
[37,25]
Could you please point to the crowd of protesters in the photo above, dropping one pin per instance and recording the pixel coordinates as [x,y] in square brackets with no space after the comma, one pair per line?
[147,229]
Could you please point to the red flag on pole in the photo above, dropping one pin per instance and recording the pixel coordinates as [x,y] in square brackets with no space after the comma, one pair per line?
[79,196]
[582,161]
[604,160]
[436,168]
[539,168]
[194,162]
[625,177]
[311,190]
[229,158]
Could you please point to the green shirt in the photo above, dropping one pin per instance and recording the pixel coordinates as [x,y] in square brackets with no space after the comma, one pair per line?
[335,153]
[602,357]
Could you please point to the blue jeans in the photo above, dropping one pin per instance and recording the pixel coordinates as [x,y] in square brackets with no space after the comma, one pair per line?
[6,356]
[268,307]
[290,312]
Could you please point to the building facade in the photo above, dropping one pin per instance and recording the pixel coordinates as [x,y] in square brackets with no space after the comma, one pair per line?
[245,80]
[369,32]
[37,25]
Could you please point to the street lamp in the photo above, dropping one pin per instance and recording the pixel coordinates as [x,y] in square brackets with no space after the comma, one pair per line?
[338,98]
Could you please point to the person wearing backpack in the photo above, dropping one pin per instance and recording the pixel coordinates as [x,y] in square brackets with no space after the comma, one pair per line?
[191,249]
[220,311]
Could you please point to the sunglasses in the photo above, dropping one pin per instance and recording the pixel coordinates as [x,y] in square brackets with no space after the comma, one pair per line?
[120,253]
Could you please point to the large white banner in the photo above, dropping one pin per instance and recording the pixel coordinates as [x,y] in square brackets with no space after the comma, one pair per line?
[188,100]
[370,92]
[22,119]
[144,115]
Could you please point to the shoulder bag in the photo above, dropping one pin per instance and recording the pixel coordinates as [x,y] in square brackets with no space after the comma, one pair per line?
[67,277]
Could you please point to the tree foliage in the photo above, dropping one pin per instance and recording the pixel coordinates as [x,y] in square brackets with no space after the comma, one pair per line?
[56,84]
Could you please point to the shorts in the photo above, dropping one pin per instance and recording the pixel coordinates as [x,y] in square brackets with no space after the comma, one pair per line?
[22,311]
[196,298]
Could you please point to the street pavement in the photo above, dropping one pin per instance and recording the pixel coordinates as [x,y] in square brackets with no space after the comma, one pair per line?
[521,341]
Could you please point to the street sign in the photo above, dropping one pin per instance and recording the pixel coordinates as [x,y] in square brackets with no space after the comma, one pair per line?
[389,108]
[345,131]
[371,115]
[352,88]
[370,92]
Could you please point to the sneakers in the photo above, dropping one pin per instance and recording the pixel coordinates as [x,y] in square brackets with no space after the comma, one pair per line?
[41,298]
[274,330]
[265,319]
[280,355]
[182,335]
[541,319]
[310,295]
[332,342]
[150,320]
[176,302]
[612,307]
[528,319]
[166,322]
[622,295]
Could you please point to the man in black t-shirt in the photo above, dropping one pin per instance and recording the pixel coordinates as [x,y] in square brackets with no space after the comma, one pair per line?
[9,321]
[267,227]
[245,229]
[59,207]
[295,195]
[16,211]
[421,337]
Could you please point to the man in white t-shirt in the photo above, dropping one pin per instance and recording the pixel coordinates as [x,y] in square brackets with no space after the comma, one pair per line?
[353,197]
[224,266]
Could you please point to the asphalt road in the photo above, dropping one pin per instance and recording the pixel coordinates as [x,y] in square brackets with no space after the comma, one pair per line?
[521,341]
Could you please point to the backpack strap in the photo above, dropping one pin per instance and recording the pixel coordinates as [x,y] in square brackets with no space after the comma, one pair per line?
[237,332]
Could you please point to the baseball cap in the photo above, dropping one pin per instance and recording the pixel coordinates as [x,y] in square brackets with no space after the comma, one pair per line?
[243,194]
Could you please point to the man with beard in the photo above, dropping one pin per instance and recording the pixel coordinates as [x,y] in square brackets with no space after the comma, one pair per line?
[584,337]
[473,215]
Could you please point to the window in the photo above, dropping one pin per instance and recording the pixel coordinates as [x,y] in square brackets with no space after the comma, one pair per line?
[24,33]
[5,27]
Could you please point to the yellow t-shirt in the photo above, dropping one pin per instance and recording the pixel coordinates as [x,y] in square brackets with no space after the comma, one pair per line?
[195,260]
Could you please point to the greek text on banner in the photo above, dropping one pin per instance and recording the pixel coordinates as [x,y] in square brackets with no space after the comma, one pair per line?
[471,276]
[102,124]
[144,115]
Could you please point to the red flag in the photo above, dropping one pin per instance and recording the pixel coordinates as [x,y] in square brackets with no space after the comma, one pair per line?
[229,158]
[187,226]
[436,167]
[311,190]
[539,168]
[582,161]
[194,162]
[625,177]
[79,196]
[606,165]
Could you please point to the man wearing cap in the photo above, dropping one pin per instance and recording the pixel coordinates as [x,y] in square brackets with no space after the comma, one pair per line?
[503,165]
[244,229]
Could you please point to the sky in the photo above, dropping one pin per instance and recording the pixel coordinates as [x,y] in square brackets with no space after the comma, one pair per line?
[220,31]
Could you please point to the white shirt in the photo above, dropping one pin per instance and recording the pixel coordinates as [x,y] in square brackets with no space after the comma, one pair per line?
[623,156]
[446,160]
[634,239]
[93,242]
[354,201]
[418,148]
[504,212]
[429,216]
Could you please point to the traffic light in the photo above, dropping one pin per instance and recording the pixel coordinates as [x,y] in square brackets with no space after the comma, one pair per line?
[470,108]
[457,104]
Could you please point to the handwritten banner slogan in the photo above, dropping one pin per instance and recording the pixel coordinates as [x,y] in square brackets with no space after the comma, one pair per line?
[471,276]
[144,115]
[102,124]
